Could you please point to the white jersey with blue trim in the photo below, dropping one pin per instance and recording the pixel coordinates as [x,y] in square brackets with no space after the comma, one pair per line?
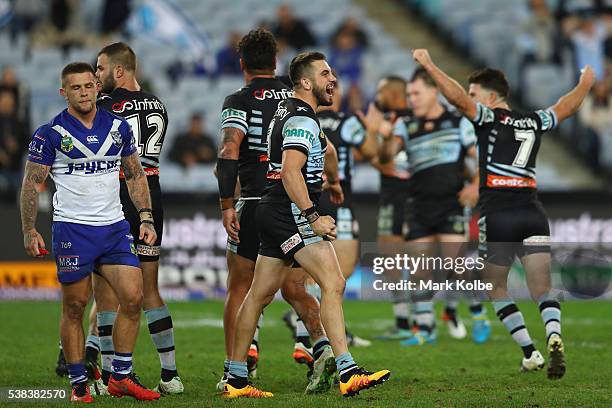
[84,165]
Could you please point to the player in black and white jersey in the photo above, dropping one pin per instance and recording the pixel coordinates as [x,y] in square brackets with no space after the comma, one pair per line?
[147,116]
[391,98]
[292,230]
[348,132]
[513,220]
[437,143]
[243,157]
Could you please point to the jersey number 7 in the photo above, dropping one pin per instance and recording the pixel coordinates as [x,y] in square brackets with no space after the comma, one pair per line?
[527,138]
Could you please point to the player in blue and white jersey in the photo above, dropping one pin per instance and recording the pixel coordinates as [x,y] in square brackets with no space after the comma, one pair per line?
[83,149]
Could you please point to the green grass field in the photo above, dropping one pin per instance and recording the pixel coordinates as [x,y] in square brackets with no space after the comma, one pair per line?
[449,374]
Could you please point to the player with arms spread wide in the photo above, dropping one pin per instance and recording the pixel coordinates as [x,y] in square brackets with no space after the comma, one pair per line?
[513,221]
[83,149]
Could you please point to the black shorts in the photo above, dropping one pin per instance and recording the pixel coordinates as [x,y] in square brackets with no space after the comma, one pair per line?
[347,226]
[283,230]
[392,208]
[452,221]
[517,231]
[249,239]
[146,253]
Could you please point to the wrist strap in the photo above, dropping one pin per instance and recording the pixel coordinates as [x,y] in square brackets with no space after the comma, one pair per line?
[146,214]
[310,214]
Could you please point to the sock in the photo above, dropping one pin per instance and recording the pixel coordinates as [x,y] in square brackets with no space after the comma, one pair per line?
[451,312]
[512,318]
[237,374]
[301,334]
[476,308]
[424,316]
[225,368]
[400,310]
[122,365]
[255,341]
[345,366]
[92,348]
[77,375]
[105,338]
[318,347]
[162,334]
[550,309]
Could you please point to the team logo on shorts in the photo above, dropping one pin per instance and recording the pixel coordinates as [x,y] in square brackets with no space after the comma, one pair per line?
[66,143]
[291,243]
[133,249]
[116,135]
[68,263]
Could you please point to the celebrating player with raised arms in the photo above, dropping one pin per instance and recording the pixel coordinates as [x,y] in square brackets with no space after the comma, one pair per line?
[513,221]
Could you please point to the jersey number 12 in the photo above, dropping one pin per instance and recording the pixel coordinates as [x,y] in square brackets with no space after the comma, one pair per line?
[153,146]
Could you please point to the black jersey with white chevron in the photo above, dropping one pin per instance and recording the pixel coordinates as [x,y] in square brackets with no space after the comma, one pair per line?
[295,126]
[508,143]
[250,109]
[148,118]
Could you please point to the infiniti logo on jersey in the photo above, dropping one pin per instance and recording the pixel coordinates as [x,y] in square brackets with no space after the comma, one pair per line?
[262,94]
[145,104]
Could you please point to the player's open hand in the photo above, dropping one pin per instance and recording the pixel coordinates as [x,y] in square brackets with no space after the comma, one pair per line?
[468,196]
[372,119]
[421,56]
[231,224]
[325,226]
[148,234]
[385,129]
[336,195]
[34,243]
[587,75]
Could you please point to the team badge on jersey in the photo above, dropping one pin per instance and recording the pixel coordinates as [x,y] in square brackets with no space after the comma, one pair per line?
[116,135]
[66,143]
[413,127]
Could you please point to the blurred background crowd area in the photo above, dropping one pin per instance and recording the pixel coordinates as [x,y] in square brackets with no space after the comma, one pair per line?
[187,56]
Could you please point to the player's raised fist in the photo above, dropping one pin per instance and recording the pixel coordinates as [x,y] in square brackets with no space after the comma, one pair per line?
[587,75]
[421,56]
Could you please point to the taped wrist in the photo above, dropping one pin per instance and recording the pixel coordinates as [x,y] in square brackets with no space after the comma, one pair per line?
[227,174]
[146,215]
[310,214]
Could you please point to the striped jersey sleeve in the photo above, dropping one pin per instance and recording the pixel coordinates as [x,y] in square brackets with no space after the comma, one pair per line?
[234,114]
[300,133]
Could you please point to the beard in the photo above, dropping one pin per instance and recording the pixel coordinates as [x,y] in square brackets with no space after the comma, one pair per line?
[108,85]
[322,97]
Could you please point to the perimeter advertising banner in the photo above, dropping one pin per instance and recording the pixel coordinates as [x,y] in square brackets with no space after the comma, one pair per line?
[193,264]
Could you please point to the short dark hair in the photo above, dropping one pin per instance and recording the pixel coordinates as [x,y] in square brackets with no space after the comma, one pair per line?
[258,50]
[120,53]
[76,68]
[423,75]
[300,65]
[492,79]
